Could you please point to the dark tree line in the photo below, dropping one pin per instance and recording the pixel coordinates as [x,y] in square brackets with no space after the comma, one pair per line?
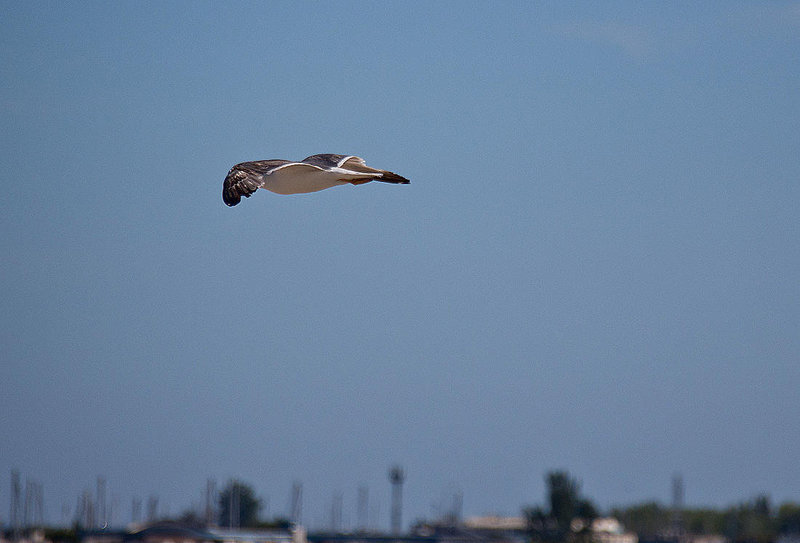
[753,521]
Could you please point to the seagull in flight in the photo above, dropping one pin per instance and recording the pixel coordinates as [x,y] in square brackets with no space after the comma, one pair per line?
[317,172]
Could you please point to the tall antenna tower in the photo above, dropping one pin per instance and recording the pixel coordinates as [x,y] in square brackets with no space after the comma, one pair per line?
[65,513]
[15,494]
[152,508]
[27,504]
[336,512]
[296,516]
[101,506]
[363,508]
[396,478]
[211,500]
[136,510]
[113,507]
[458,505]
[33,507]
[86,513]
[234,506]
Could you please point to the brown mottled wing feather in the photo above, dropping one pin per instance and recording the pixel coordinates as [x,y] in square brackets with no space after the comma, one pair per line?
[358,165]
[245,178]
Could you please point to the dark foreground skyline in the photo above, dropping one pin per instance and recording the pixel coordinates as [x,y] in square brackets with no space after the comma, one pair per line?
[101,506]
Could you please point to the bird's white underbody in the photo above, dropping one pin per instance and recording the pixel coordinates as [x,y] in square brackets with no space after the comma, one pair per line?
[301,178]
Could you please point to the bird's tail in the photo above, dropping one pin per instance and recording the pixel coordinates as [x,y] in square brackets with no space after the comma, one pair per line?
[357,164]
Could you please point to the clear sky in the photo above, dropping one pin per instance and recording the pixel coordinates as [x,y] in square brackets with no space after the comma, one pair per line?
[595,267]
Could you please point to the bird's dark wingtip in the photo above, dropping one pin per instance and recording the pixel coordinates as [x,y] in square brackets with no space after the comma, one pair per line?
[391,177]
[231,198]
[242,180]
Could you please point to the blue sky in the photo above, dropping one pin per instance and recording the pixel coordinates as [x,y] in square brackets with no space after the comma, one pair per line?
[594,268]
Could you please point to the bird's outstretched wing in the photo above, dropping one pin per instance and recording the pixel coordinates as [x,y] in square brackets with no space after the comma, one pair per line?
[245,178]
[354,164]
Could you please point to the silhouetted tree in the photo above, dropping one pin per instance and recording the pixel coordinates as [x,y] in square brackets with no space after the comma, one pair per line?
[566,503]
[563,496]
[238,505]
